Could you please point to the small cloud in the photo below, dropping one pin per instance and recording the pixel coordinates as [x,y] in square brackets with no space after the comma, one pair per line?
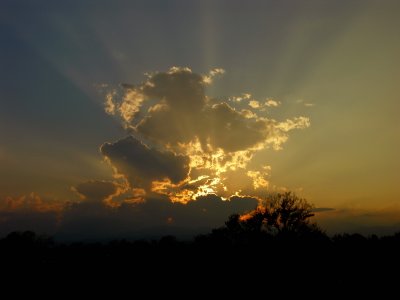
[298,122]
[272,103]
[208,79]
[248,114]
[109,105]
[254,104]
[259,180]
[244,96]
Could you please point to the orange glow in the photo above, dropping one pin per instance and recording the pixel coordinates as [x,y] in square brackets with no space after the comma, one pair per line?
[209,187]
[32,202]
[138,196]
[250,214]
[175,192]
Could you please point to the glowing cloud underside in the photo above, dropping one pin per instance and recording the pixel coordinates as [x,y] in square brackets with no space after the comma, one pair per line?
[184,144]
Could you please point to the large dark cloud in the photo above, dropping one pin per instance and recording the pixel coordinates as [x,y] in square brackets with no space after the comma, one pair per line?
[184,113]
[141,165]
[154,218]
[94,218]
[94,190]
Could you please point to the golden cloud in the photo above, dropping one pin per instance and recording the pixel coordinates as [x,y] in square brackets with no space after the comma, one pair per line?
[185,144]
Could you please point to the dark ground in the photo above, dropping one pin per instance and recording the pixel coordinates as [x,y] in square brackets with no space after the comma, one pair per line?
[254,266]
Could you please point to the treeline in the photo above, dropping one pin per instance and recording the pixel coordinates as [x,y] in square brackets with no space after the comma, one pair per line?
[29,244]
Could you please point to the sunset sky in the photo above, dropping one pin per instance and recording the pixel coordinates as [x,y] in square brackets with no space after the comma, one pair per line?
[153,117]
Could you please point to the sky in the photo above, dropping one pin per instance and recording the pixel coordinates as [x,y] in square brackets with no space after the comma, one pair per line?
[154,117]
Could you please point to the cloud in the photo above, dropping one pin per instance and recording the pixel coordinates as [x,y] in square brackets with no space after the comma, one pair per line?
[306,104]
[185,144]
[142,165]
[154,218]
[262,106]
[244,96]
[30,212]
[28,203]
[296,123]
[208,79]
[95,190]
[259,179]
[254,104]
[272,103]
[95,219]
[109,105]
[230,130]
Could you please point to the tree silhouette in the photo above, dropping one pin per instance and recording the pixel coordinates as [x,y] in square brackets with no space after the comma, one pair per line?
[285,212]
[282,213]
[282,216]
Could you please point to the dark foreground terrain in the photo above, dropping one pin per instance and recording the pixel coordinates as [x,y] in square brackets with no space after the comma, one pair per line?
[340,262]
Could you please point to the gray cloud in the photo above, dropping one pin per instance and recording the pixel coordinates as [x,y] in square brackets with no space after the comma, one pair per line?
[94,218]
[180,88]
[231,130]
[96,190]
[183,113]
[141,165]
[153,218]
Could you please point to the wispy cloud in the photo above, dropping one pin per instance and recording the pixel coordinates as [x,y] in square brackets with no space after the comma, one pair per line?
[305,103]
